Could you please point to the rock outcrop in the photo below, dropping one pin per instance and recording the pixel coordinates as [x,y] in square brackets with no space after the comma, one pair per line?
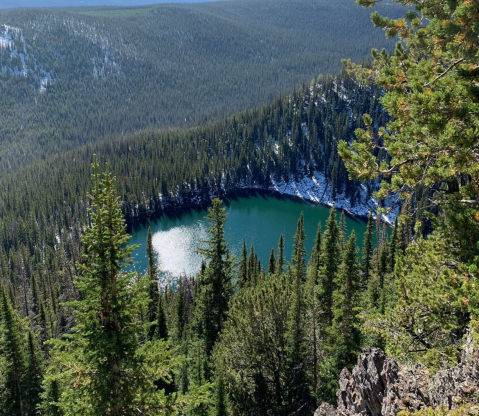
[379,386]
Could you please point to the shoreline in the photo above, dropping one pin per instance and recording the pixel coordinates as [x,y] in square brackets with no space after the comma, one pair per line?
[315,190]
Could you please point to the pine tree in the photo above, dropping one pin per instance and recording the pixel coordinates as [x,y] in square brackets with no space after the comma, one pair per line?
[312,304]
[216,287]
[243,267]
[345,338]
[271,263]
[330,261]
[281,258]
[101,368]
[153,306]
[367,253]
[161,330]
[252,352]
[13,361]
[298,392]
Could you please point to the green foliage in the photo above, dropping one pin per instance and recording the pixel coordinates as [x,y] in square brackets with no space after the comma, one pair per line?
[20,366]
[101,368]
[435,299]
[220,396]
[464,410]
[432,99]
[296,336]
[313,309]
[436,360]
[329,264]
[125,70]
[215,288]
[345,334]
[426,155]
[367,253]
[252,350]
[155,305]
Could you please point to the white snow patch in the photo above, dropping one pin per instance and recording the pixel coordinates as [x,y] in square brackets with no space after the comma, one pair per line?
[317,189]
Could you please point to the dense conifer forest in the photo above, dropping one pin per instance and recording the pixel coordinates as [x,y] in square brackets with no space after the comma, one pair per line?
[73,76]
[81,336]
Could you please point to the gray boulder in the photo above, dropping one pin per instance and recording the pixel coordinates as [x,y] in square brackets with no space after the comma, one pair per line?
[379,386]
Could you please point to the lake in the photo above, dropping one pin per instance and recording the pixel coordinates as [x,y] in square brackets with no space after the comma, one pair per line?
[258,217]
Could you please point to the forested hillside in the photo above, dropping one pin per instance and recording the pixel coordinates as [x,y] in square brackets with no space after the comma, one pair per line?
[74,76]
[293,136]
[45,210]
[81,336]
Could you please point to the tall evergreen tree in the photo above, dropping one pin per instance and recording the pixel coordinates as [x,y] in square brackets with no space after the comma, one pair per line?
[101,368]
[13,362]
[216,287]
[298,391]
[253,267]
[345,341]
[330,260]
[393,245]
[35,369]
[281,258]
[161,330]
[271,262]
[299,252]
[243,267]
[179,313]
[367,253]
[342,228]
[312,305]
[153,306]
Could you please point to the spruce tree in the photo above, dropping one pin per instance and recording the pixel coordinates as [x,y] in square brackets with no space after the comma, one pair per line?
[101,368]
[35,368]
[271,263]
[393,245]
[312,305]
[367,253]
[342,229]
[330,260]
[13,361]
[299,252]
[216,286]
[153,306]
[253,267]
[298,392]
[345,337]
[161,330]
[281,258]
[179,313]
[243,267]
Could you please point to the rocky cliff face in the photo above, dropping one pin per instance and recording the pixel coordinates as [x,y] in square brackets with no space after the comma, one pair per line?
[379,386]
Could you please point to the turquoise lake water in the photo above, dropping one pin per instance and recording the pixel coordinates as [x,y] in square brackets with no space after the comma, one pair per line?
[259,218]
